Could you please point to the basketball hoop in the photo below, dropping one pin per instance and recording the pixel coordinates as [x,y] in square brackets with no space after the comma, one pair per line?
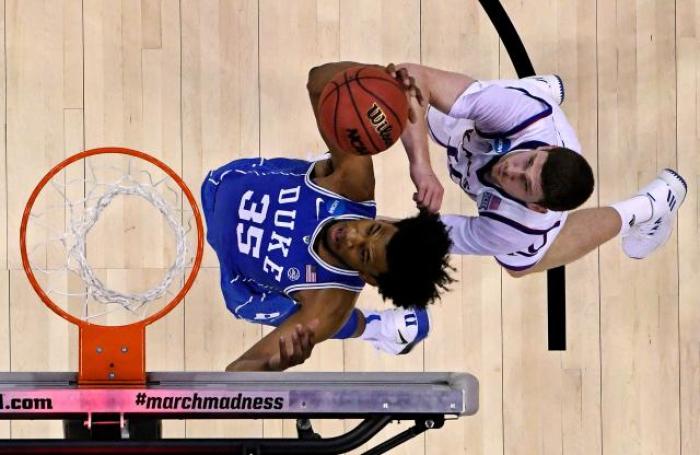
[109,353]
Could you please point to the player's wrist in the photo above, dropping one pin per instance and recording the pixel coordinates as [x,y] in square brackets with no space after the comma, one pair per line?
[418,154]
[421,167]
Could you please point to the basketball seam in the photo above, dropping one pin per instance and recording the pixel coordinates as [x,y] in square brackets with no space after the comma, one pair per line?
[343,84]
[337,87]
[377,78]
[387,105]
[357,111]
[336,139]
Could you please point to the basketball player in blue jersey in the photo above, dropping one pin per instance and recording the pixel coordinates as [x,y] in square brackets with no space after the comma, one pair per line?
[511,149]
[298,240]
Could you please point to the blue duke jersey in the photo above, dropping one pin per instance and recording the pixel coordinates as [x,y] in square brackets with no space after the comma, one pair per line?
[263,217]
[489,120]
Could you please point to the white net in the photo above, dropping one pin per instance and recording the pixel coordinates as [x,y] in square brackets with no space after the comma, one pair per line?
[110,239]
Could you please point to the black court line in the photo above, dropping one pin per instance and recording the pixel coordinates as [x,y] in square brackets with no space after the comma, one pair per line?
[556,278]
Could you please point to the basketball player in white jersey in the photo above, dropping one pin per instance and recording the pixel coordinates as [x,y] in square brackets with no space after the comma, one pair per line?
[511,149]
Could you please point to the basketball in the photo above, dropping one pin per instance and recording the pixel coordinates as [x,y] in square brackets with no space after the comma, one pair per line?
[363,110]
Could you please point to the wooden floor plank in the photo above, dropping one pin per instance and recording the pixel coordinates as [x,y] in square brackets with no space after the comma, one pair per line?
[466,333]
[688,140]
[560,39]
[639,299]
[287,125]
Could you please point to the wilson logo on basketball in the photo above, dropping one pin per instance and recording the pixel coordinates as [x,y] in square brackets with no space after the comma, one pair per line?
[356,141]
[376,116]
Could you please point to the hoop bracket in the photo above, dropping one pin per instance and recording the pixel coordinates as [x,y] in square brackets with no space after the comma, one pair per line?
[112,355]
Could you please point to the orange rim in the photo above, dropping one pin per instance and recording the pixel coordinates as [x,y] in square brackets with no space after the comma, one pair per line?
[102,151]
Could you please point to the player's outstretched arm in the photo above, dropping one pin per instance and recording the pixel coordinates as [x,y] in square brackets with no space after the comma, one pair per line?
[321,315]
[355,170]
[414,138]
[440,89]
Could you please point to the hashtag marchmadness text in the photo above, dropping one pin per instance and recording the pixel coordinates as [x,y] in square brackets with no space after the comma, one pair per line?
[195,402]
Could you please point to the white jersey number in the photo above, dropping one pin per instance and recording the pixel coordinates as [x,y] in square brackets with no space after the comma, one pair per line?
[251,213]
[248,211]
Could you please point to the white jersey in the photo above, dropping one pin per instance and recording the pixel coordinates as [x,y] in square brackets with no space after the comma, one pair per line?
[490,119]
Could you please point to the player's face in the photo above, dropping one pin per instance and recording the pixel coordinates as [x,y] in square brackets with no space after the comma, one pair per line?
[361,245]
[519,173]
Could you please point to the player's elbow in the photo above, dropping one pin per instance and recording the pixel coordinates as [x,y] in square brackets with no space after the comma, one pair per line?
[313,84]
[330,314]
[310,77]
[517,273]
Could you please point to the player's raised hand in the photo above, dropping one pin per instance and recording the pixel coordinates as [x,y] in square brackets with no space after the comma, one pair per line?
[297,350]
[429,191]
[409,85]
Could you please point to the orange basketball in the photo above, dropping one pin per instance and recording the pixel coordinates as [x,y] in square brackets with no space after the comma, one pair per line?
[363,110]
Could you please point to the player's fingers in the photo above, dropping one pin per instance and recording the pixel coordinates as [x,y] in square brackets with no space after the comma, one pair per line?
[313,325]
[428,201]
[414,108]
[284,355]
[391,69]
[422,192]
[436,197]
[415,91]
[306,345]
[303,333]
[300,350]
[439,197]
[297,353]
[412,117]
[419,96]
[412,89]
[435,202]
[404,77]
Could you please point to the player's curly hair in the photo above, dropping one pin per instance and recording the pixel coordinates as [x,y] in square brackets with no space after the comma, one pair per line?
[567,180]
[417,257]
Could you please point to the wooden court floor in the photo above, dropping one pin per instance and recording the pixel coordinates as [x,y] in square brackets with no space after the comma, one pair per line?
[199,82]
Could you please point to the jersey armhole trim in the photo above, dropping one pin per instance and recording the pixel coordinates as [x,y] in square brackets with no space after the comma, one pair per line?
[430,128]
[311,286]
[524,124]
[518,226]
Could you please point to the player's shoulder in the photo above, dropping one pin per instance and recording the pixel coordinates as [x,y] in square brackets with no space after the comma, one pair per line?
[512,215]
